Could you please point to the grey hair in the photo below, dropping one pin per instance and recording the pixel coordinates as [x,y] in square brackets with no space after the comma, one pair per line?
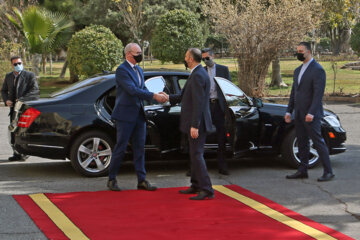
[195,53]
[128,47]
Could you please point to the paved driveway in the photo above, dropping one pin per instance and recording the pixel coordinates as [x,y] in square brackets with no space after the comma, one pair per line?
[335,204]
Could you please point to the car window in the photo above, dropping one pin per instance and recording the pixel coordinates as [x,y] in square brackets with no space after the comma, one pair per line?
[156,84]
[78,85]
[233,95]
[109,100]
[182,82]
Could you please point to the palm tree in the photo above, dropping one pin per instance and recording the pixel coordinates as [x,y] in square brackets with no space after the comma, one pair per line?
[43,31]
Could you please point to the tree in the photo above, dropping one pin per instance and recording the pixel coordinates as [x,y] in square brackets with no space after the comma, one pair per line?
[92,50]
[339,18]
[258,30]
[174,33]
[276,79]
[43,31]
[355,39]
[8,30]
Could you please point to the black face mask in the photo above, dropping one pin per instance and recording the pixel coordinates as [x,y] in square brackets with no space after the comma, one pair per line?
[138,58]
[300,56]
[186,64]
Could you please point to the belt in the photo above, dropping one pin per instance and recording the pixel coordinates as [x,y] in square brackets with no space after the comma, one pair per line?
[213,100]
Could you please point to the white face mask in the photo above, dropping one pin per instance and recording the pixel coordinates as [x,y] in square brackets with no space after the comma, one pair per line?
[18,68]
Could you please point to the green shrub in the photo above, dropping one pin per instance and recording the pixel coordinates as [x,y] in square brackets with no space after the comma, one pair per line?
[175,32]
[93,50]
[355,39]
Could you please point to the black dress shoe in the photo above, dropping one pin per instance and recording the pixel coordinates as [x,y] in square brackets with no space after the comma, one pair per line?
[112,185]
[190,190]
[224,172]
[298,175]
[203,195]
[188,173]
[17,157]
[326,177]
[145,185]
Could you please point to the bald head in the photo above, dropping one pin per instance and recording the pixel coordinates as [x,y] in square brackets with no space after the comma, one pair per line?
[131,50]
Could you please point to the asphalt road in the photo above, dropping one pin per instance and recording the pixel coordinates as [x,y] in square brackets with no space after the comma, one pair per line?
[335,204]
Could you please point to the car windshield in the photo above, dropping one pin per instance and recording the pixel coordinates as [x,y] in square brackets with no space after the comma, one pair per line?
[233,95]
[78,85]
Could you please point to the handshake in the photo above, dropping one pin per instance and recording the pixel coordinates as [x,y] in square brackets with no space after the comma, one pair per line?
[161,97]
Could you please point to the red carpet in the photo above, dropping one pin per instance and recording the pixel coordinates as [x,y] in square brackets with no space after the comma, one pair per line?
[166,214]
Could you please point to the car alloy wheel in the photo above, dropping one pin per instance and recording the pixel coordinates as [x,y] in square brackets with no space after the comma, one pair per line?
[91,153]
[290,151]
[314,156]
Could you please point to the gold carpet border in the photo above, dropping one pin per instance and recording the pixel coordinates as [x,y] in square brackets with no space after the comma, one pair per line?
[278,216]
[58,217]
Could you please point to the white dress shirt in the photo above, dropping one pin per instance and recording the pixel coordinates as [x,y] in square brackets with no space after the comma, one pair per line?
[303,69]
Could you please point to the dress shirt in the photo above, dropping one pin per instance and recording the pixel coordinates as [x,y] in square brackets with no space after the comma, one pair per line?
[303,69]
[212,74]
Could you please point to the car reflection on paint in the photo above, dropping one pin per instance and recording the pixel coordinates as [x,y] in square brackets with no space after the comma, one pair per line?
[75,123]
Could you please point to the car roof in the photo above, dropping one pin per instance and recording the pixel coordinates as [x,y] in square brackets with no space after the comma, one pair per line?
[107,77]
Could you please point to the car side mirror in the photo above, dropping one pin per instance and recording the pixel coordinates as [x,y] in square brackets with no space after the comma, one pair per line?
[257,102]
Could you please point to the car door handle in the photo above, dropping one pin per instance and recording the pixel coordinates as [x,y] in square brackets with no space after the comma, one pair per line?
[151,113]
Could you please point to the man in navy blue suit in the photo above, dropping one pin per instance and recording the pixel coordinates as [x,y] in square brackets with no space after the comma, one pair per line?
[217,105]
[306,102]
[130,117]
[195,122]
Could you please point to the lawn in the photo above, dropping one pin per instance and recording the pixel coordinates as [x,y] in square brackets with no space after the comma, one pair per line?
[347,81]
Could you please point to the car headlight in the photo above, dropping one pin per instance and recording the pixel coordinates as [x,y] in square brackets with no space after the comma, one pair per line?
[333,121]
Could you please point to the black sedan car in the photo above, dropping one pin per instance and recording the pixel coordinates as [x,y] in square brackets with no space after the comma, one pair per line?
[75,123]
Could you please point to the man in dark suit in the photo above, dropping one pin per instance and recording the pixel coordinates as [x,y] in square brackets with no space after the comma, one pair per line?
[217,105]
[130,117]
[195,121]
[306,101]
[19,85]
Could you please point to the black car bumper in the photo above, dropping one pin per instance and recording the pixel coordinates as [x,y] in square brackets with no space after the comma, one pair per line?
[335,138]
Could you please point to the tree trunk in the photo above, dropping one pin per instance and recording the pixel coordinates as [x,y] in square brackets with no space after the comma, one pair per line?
[51,66]
[73,77]
[44,63]
[345,41]
[251,74]
[63,70]
[36,58]
[276,79]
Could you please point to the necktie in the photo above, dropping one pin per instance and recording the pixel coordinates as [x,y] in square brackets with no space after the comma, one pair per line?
[138,75]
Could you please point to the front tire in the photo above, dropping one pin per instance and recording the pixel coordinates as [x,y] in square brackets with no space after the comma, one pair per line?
[290,151]
[91,153]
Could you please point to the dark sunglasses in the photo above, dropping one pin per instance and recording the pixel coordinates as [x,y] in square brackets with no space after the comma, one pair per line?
[18,63]
[205,58]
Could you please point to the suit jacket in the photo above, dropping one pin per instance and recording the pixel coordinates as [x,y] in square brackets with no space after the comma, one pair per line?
[194,98]
[306,97]
[27,87]
[221,71]
[129,94]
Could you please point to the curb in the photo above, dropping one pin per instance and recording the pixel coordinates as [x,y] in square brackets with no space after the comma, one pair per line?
[339,99]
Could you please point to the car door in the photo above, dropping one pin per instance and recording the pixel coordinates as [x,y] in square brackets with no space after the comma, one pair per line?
[241,117]
[162,119]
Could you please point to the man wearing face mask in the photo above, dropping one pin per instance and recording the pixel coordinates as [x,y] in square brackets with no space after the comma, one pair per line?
[195,122]
[306,102]
[19,85]
[217,105]
[130,117]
